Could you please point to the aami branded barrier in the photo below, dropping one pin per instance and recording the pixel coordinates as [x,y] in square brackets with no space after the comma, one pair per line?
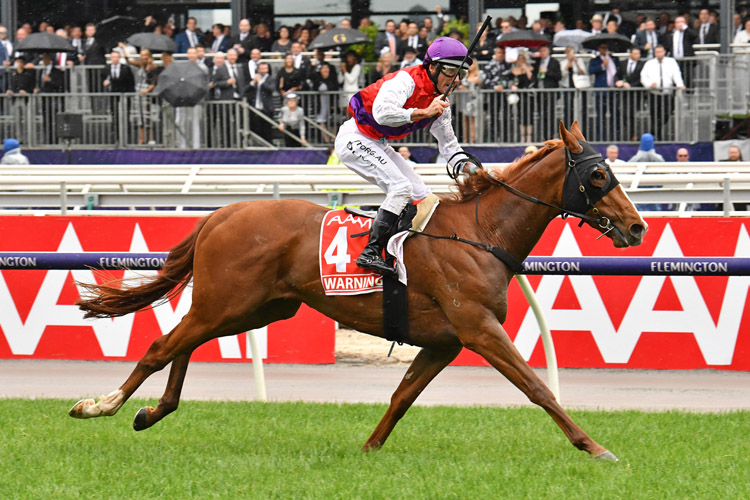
[686,321]
[38,318]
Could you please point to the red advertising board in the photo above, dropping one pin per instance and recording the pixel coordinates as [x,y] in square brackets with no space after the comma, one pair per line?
[38,318]
[657,322]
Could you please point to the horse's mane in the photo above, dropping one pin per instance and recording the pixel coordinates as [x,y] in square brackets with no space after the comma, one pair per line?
[476,184]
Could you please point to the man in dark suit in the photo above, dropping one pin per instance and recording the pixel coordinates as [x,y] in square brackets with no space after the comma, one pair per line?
[629,76]
[50,80]
[244,42]
[230,78]
[221,42]
[387,40]
[259,95]
[189,37]
[413,40]
[302,63]
[118,78]
[547,75]
[679,43]
[92,50]
[92,54]
[202,59]
[647,39]
[708,32]
[5,58]
[604,69]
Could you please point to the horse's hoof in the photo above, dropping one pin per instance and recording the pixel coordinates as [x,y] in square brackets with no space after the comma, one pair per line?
[607,456]
[141,419]
[79,409]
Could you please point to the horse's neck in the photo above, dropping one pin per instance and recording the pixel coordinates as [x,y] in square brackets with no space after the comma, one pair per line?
[515,224]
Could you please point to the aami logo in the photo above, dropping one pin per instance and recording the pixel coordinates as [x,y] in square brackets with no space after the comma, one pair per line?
[113,335]
[716,339]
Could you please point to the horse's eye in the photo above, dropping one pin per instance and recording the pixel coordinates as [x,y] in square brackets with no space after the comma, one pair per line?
[598,175]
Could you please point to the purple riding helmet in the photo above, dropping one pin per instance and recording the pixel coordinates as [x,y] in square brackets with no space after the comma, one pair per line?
[446,51]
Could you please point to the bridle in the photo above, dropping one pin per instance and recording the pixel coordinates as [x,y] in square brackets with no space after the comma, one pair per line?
[576,199]
[579,194]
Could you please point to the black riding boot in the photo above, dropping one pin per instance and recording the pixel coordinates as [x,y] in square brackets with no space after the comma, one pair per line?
[372,256]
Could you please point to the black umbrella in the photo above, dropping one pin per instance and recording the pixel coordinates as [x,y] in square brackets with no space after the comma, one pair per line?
[153,42]
[338,37]
[45,42]
[116,29]
[182,83]
[614,41]
[523,38]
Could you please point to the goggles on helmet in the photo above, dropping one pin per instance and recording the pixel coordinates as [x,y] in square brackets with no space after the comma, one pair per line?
[450,71]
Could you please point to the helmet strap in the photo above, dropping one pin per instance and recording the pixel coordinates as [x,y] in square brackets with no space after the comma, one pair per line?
[434,77]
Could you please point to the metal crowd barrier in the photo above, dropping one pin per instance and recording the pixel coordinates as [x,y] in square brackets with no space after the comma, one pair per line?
[480,116]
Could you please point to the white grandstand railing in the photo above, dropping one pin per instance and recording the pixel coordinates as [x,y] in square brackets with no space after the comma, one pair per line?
[57,188]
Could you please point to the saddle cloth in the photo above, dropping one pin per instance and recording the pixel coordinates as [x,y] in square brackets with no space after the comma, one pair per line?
[339,249]
[339,272]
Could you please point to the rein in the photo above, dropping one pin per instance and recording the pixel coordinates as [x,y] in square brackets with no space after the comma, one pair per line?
[574,162]
[587,159]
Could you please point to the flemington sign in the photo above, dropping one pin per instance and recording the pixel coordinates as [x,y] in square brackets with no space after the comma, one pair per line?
[632,318]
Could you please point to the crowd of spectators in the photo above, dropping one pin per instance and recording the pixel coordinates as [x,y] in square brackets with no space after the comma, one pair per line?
[238,68]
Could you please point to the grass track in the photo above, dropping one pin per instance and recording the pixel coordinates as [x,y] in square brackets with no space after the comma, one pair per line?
[306,450]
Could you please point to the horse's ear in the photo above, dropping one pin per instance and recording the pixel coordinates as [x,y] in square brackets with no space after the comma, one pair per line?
[569,139]
[575,129]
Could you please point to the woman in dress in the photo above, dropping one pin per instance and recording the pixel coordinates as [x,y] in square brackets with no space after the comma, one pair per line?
[349,78]
[467,102]
[521,72]
[283,44]
[325,81]
[290,79]
[145,83]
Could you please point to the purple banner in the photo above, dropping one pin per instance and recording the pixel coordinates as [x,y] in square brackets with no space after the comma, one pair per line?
[702,151]
[639,266]
[593,266]
[86,260]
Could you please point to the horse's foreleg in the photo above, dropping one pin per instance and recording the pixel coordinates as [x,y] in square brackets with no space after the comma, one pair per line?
[496,347]
[148,416]
[427,364]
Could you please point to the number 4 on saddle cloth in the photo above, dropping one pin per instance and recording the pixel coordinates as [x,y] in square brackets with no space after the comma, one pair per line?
[343,236]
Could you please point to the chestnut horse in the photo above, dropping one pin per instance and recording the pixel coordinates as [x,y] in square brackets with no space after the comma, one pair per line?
[254,263]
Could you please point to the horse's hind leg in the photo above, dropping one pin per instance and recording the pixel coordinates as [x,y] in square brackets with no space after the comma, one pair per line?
[148,416]
[497,348]
[427,364]
[183,338]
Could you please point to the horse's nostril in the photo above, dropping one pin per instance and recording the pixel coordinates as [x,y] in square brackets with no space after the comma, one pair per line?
[637,230]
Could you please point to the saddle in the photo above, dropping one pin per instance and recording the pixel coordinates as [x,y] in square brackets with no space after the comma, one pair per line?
[414,217]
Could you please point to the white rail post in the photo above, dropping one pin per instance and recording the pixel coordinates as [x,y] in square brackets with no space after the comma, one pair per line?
[549,346]
[260,379]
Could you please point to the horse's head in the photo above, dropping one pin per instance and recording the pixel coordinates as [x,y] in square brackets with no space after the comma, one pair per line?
[591,188]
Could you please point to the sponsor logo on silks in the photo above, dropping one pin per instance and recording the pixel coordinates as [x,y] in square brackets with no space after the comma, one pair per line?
[339,250]
[357,146]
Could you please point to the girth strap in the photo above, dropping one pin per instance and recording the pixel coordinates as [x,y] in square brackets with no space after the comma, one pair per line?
[514,264]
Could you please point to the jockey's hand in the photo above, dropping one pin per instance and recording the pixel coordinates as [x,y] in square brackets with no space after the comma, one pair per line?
[471,168]
[436,108]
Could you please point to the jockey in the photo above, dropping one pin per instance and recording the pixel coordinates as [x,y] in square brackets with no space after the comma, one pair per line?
[392,108]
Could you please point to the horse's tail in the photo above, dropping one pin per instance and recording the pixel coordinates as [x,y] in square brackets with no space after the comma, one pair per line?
[107,300]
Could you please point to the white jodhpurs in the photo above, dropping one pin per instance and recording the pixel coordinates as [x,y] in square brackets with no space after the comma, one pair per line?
[380,164]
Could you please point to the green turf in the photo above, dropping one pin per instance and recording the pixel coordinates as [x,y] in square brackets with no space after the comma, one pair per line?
[305,450]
